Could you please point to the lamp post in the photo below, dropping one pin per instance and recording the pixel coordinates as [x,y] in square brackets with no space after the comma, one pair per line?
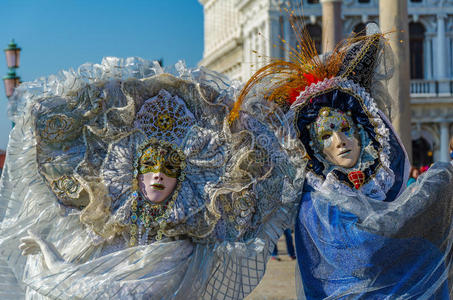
[11,80]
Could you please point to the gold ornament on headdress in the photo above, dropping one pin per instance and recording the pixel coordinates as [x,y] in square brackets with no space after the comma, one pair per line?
[165,120]
[304,68]
[165,117]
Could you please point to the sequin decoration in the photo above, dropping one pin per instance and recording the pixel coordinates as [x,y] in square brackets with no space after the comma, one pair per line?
[56,128]
[145,216]
[162,158]
[165,117]
[362,58]
[67,188]
[328,121]
[239,210]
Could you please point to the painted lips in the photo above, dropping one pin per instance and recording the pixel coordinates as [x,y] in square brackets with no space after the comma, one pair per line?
[344,152]
[158,186]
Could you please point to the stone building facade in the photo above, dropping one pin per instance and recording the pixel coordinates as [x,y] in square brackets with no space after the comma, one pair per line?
[240,34]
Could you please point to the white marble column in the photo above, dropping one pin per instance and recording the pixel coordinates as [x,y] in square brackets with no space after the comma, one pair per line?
[272,35]
[253,52]
[246,58]
[264,37]
[286,36]
[248,55]
[428,57]
[444,142]
[393,18]
[332,24]
[441,48]
[207,31]
[257,38]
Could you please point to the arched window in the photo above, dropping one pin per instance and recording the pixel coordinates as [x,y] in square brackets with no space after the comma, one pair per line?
[315,32]
[359,29]
[416,41]
[422,153]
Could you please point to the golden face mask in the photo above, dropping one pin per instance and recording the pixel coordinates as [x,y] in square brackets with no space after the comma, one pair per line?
[157,159]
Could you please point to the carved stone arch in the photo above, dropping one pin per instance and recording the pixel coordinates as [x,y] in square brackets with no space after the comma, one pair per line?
[374,19]
[427,133]
[350,23]
[428,22]
[359,29]
[308,20]
[434,130]
[314,29]
[449,22]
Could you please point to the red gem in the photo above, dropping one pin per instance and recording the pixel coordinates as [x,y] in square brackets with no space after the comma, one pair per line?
[357,178]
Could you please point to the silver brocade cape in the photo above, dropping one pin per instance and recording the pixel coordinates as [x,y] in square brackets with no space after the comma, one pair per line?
[217,240]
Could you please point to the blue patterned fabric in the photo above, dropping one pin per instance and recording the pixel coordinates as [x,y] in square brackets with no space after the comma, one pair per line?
[340,259]
[353,245]
[396,249]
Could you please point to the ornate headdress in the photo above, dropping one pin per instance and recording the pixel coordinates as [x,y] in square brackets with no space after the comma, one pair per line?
[165,121]
[167,127]
[343,81]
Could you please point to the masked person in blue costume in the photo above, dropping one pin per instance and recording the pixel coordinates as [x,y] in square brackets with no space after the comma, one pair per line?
[360,233]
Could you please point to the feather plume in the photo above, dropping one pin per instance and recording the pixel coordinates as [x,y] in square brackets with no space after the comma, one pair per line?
[305,67]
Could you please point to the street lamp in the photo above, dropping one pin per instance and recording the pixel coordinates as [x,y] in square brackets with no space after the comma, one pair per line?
[11,80]
[12,55]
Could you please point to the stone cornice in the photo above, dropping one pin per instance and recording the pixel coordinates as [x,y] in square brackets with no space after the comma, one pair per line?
[226,48]
[357,11]
[240,4]
[207,3]
[431,100]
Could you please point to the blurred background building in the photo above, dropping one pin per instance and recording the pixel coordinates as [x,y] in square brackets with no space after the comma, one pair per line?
[239,33]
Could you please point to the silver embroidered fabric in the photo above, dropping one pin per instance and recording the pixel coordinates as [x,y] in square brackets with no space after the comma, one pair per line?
[75,140]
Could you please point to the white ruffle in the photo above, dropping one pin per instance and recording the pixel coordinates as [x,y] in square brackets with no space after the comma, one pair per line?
[171,269]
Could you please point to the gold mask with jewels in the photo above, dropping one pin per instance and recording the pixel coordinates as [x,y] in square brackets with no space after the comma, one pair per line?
[336,137]
[329,121]
[157,159]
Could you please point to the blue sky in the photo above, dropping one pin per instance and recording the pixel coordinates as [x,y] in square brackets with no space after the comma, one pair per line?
[63,34]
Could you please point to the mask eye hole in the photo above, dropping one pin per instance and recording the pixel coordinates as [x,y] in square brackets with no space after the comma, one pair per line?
[345,129]
[171,167]
[325,136]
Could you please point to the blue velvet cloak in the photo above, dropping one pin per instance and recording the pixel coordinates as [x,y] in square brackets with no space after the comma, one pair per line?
[397,249]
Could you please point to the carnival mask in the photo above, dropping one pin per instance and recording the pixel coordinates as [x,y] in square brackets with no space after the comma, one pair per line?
[159,169]
[336,137]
